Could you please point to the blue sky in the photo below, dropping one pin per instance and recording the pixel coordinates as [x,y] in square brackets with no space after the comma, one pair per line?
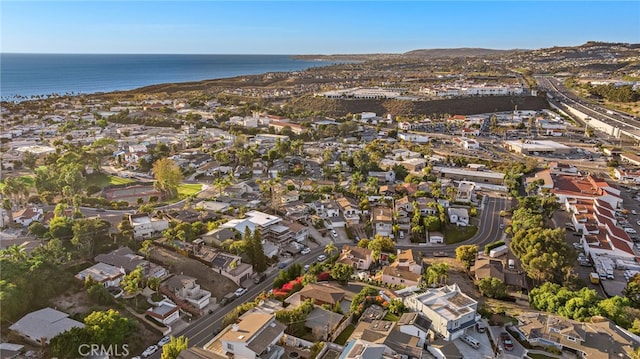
[308,27]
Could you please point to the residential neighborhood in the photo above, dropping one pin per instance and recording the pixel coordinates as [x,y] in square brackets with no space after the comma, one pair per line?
[258,230]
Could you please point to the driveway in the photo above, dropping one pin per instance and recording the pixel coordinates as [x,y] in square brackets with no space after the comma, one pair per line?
[518,350]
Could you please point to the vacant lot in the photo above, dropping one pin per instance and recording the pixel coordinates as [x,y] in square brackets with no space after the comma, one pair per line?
[206,276]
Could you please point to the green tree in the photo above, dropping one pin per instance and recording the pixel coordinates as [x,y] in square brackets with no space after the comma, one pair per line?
[107,327]
[437,274]
[86,232]
[632,290]
[467,254]
[492,288]
[330,248]
[29,159]
[341,272]
[168,176]
[172,349]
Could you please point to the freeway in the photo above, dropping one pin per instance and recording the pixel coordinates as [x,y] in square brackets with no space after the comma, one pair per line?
[204,329]
[629,126]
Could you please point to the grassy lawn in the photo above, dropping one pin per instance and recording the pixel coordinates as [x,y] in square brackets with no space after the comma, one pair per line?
[346,333]
[102,180]
[27,180]
[188,189]
[454,234]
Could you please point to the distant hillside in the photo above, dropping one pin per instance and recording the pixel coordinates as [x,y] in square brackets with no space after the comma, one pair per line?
[459,52]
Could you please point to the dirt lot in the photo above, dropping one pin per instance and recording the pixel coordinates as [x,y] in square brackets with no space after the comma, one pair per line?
[208,279]
[458,275]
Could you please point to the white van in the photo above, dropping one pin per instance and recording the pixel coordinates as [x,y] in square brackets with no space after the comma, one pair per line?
[471,341]
[511,264]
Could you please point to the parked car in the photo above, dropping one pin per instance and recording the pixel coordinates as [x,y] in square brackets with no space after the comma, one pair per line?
[322,258]
[149,351]
[334,234]
[240,291]
[306,267]
[305,251]
[440,254]
[228,299]
[259,278]
[506,341]
[638,223]
[164,341]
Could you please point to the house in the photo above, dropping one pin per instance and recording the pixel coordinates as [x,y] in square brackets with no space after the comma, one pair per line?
[322,323]
[458,216]
[43,324]
[465,191]
[388,176]
[382,220]
[166,312]
[598,339]
[105,274]
[229,266]
[145,226]
[398,277]
[382,332]
[406,261]
[124,258]
[359,258]
[427,206]
[416,325]
[255,336]
[218,235]
[494,268]
[414,164]
[350,210]
[27,215]
[450,310]
[185,288]
[323,294]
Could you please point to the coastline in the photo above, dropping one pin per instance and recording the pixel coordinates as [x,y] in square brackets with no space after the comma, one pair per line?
[36,76]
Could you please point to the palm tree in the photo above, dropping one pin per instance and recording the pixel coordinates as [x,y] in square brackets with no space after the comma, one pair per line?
[7,205]
[330,248]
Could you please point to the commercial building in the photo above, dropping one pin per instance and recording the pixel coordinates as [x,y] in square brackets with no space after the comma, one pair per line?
[528,147]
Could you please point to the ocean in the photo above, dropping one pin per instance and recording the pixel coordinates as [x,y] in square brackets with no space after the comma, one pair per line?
[26,75]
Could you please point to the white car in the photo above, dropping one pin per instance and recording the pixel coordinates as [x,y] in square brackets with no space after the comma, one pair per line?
[306,251]
[630,230]
[149,351]
[322,258]
[306,267]
[334,234]
[240,291]
[164,340]
[638,223]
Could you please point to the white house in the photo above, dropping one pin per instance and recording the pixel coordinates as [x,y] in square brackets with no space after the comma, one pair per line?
[43,324]
[105,274]
[358,258]
[449,310]
[413,137]
[145,226]
[458,216]
[166,312]
[185,288]
[416,325]
[27,215]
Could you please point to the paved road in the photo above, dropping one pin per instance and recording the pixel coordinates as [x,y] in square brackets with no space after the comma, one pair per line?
[202,330]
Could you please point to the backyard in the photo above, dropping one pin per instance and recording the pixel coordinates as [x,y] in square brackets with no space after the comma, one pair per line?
[188,189]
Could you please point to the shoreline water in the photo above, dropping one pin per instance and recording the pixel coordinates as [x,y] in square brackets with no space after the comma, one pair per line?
[33,76]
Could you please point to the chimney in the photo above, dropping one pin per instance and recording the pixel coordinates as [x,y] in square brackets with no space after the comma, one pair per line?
[235,327]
